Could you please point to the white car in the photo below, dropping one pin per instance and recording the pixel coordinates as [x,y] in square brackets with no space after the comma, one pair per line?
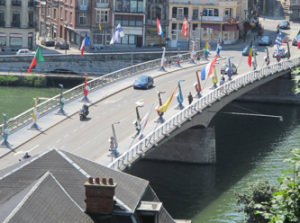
[24,52]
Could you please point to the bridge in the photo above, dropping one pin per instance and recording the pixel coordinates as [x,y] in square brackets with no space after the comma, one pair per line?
[114,100]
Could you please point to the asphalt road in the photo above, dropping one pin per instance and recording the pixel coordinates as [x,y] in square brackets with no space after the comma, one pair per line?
[89,138]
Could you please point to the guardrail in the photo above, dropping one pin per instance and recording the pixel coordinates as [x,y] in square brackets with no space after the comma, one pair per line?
[53,103]
[137,150]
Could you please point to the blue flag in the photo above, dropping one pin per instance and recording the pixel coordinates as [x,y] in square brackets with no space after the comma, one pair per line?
[278,39]
[117,35]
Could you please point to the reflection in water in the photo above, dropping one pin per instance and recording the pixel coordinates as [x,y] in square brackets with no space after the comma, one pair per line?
[248,148]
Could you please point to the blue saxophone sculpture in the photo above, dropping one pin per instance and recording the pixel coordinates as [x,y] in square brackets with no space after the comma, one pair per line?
[229,71]
[179,95]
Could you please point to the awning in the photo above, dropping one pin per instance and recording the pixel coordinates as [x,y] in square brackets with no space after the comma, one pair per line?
[215,27]
[231,27]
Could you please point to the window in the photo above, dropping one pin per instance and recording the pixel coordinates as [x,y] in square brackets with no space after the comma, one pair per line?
[156,12]
[102,38]
[195,13]
[125,20]
[16,41]
[66,15]
[102,16]
[54,13]
[83,2]
[71,17]
[227,12]
[129,5]
[82,19]
[43,10]
[61,12]
[179,13]
[210,12]
[128,39]
[102,1]
[71,2]
[66,1]
[49,11]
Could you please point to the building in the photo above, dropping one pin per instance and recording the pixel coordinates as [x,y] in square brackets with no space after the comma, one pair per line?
[131,16]
[17,23]
[219,19]
[295,10]
[156,9]
[56,186]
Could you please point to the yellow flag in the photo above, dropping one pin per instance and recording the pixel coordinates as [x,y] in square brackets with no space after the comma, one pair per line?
[165,106]
[100,28]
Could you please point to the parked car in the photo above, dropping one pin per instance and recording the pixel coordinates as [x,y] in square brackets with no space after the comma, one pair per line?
[296,40]
[47,42]
[226,65]
[284,25]
[24,52]
[281,52]
[143,82]
[246,50]
[284,41]
[61,45]
[265,41]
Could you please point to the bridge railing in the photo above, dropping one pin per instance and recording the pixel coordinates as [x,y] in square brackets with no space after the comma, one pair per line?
[77,91]
[138,150]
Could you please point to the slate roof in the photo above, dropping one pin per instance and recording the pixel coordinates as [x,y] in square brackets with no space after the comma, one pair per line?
[57,177]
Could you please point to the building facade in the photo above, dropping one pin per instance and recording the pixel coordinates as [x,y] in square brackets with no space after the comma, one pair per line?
[294,10]
[17,22]
[219,20]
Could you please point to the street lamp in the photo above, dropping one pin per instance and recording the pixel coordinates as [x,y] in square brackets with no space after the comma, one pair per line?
[201,14]
[189,38]
[66,25]
[245,25]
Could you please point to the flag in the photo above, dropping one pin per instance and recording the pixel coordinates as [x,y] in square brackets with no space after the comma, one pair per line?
[165,106]
[205,48]
[278,39]
[207,69]
[250,54]
[117,35]
[159,29]
[185,28]
[100,27]
[215,77]
[144,121]
[85,42]
[38,58]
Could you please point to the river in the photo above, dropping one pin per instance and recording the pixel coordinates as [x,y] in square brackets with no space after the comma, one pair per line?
[248,148]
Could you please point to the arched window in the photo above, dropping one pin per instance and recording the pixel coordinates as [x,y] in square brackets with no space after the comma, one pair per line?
[156,12]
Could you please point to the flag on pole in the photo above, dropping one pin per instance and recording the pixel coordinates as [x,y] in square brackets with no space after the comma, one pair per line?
[117,35]
[144,121]
[165,106]
[38,58]
[100,27]
[250,54]
[185,28]
[85,42]
[278,39]
[159,29]
[207,69]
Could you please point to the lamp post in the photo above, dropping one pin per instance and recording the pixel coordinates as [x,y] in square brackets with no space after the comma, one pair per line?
[62,101]
[245,25]
[113,142]
[189,38]
[201,14]
[66,25]
[137,122]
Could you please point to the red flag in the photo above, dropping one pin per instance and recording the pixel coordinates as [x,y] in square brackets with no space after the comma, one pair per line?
[85,91]
[185,28]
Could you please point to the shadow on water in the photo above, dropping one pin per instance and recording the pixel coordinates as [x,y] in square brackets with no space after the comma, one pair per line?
[243,142]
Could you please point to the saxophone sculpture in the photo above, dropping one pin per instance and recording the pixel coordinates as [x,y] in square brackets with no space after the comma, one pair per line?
[179,96]
[198,85]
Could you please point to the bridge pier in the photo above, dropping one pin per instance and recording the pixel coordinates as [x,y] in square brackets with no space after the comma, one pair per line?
[194,145]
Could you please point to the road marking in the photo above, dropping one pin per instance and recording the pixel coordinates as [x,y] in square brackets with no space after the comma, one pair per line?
[82,126]
[58,140]
[76,149]
[140,102]
[66,136]
[107,102]
[26,151]
[97,117]
[74,130]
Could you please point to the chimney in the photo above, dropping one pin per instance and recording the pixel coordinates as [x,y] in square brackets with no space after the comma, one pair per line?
[99,196]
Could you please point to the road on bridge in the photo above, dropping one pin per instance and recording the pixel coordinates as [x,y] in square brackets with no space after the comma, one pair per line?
[89,138]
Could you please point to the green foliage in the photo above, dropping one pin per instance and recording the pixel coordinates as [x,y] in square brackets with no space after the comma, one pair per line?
[296,73]
[8,79]
[34,80]
[263,203]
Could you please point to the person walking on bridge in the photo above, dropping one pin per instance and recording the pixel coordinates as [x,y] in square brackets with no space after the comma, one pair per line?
[190,98]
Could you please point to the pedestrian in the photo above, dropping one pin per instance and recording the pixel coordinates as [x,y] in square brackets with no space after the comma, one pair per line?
[222,80]
[198,57]
[170,61]
[190,98]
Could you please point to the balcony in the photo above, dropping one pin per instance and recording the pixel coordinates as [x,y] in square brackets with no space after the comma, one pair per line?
[16,3]
[2,2]
[130,10]
[179,17]
[2,23]
[228,3]
[31,4]
[15,24]
[101,5]
[82,8]
[216,19]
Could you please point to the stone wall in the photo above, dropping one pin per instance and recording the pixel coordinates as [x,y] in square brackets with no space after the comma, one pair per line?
[94,64]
